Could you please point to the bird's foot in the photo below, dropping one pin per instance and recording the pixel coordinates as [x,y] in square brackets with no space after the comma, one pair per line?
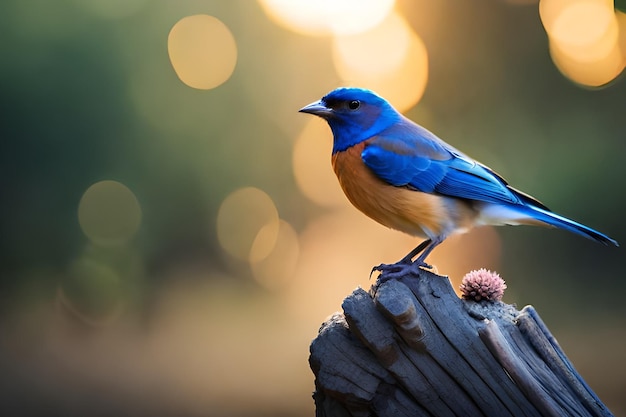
[399,269]
[391,270]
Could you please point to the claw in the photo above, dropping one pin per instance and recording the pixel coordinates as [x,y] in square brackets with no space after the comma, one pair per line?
[406,265]
[389,268]
[391,271]
[424,265]
[398,270]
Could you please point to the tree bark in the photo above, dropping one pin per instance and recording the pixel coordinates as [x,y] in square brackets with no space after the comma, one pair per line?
[411,347]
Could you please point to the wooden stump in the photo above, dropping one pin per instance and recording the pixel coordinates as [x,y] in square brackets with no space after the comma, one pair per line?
[411,347]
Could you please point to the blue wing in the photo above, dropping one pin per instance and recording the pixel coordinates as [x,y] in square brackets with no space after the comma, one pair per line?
[409,155]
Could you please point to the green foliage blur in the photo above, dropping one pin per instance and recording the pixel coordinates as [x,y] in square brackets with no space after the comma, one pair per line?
[85,98]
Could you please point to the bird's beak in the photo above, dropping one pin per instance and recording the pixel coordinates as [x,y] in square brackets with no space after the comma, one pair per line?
[317,108]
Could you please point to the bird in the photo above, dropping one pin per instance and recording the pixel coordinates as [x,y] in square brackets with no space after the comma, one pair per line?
[406,178]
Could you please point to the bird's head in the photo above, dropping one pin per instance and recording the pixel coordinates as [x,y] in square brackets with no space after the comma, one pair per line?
[354,115]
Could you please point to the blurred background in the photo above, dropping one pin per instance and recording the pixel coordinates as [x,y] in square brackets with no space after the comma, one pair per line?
[172,234]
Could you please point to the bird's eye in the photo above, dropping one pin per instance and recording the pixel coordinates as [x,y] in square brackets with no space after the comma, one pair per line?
[354,104]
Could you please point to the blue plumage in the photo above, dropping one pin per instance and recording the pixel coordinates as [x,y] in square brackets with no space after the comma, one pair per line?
[455,177]
[407,164]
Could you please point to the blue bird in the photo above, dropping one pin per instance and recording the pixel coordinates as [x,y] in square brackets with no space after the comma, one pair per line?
[406,178]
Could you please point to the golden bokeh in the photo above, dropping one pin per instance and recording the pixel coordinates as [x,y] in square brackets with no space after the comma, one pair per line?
[109,213]
[312,167]
[557,15]
[277,269]
[585,30]
[248,224]
[202,51]
[327,17]
[584,39]
[398,73]
[594,73]
[369,54]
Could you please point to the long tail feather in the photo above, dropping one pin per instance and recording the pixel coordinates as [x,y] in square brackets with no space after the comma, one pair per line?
[556,220]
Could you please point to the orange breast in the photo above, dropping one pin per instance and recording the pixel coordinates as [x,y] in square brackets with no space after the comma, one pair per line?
[400,208]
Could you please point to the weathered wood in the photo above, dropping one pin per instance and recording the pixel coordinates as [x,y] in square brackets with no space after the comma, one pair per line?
[411,347]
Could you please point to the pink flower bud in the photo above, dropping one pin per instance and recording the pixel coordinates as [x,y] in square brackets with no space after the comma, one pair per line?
[482,285]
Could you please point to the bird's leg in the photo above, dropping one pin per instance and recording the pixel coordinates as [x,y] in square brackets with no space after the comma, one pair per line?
[408,259]
[419,262]
[400,268]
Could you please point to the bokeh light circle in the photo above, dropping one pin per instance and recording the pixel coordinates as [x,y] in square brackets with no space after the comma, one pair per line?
[561,19]
[398,73]
[248,224]
[202,51]
[591,74]
[585,30]
[368,54]
[584,39]
[327,17]
[109,213]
